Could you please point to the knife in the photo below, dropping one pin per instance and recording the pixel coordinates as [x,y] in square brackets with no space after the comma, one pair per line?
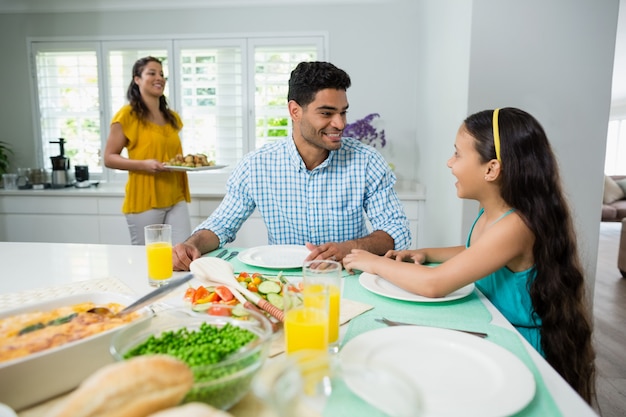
[222,253]
[398,323]
[160,292]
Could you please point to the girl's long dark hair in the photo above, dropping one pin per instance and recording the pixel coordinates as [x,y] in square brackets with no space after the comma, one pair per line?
[531,184]
[136,101]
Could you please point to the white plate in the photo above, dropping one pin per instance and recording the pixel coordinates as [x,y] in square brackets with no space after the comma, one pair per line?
[6,411]
[456,374]
[207,168]
[381,286]
[275,256]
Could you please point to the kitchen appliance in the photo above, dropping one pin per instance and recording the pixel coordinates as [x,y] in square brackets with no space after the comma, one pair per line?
[60,167]
[81,175]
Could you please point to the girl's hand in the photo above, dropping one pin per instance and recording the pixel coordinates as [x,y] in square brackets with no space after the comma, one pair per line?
[362,260]
[414,256]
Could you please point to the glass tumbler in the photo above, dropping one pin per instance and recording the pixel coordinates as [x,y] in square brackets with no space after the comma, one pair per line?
[314,383]
[327,273]
[159,253]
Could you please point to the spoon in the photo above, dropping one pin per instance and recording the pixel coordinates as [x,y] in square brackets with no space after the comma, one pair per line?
[219,270]
[232,255]
[145,300]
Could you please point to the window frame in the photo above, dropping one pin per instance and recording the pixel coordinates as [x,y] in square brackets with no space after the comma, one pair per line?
[173,44]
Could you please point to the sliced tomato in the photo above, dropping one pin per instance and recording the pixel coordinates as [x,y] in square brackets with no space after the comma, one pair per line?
[189,294]
[212,297]
[224,293]
[217,310]
[201,293]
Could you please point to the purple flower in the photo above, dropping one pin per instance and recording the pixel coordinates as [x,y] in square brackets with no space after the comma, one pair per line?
[363,131]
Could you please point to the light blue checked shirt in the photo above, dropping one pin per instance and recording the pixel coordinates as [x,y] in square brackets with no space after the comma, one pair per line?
[327,204]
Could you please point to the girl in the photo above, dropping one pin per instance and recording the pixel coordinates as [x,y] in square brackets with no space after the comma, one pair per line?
[521,251]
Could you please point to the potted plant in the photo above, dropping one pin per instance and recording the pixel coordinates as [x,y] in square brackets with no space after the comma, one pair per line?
[5,151]
[364,131]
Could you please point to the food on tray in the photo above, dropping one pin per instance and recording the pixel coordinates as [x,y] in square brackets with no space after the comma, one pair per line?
[191,160]
[133,388]
[208,298]
[27,333]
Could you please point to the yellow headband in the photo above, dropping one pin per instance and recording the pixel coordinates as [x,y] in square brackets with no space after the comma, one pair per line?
[496,134]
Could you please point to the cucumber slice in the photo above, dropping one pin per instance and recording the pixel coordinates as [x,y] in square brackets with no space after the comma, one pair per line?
[240,311]
[276,299]
[269,287]
[201,308]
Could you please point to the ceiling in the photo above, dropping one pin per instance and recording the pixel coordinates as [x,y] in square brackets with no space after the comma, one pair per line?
[618,92]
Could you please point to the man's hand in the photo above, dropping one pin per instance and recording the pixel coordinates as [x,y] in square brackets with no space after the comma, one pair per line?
[182,256]
[333,251]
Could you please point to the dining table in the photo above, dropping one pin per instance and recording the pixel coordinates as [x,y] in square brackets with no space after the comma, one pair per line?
[32,272]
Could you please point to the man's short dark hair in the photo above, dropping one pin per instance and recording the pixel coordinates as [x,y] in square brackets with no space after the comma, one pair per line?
[310,77]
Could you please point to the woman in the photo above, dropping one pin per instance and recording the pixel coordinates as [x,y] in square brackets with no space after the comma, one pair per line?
[148,129]
[521,250]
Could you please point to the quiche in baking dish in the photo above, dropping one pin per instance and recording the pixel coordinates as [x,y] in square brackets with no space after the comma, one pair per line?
[30,332]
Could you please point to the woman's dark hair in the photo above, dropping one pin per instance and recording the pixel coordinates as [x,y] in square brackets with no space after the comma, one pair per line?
[136,101]
[310,77]
[530,183]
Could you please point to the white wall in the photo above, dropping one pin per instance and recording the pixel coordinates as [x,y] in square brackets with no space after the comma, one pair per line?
[422,64]
[555,61]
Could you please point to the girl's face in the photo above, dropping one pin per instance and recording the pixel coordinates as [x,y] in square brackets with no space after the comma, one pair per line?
[466,166]
[151,82]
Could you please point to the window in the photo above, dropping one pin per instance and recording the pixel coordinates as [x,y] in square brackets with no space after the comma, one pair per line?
[616,148]
[231,93]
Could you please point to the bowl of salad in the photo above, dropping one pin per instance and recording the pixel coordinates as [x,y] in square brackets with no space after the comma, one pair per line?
[224,350]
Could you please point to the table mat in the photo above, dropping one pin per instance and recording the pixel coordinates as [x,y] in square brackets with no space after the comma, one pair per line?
[345,403]
[469,310]
[348,310]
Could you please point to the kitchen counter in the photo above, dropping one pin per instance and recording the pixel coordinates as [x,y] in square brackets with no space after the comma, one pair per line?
[407,190]
[94,214]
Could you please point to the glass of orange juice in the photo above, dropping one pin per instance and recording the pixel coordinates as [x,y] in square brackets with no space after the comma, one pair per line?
[327,273]
[306,318]
[159,253]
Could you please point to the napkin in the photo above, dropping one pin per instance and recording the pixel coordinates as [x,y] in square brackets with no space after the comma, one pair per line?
[348,310]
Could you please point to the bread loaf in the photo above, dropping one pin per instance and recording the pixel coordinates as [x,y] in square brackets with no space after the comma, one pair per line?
[192,410]
[133,388]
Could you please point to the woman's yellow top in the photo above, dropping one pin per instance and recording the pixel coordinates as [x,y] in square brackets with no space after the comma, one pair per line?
[146,140]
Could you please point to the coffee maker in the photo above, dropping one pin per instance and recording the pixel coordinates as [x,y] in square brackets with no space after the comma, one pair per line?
[60,167]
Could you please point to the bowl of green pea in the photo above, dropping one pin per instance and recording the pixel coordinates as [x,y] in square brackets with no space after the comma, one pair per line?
[224,350]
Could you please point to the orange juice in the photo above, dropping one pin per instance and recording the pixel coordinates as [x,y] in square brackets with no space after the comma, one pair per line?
[314,296]
[306,328]
[159,256]
[333,313]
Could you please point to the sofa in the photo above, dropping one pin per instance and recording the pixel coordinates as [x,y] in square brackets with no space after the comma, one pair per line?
[614,198]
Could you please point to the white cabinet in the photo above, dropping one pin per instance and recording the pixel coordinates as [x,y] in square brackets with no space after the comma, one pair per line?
[94,216]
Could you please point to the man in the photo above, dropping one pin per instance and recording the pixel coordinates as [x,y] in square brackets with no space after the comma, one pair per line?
[313,189]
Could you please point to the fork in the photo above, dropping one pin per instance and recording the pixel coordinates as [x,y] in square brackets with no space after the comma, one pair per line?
[398,323]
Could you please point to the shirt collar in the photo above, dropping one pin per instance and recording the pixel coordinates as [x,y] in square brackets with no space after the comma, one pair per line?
[296,159]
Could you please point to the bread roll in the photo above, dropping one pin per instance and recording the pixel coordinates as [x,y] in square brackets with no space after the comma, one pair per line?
[133,388]
[192,410]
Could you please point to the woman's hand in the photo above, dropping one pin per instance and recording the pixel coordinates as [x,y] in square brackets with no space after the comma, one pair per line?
[153,166]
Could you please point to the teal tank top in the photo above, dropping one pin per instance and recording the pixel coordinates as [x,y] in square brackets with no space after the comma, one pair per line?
[508,292]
